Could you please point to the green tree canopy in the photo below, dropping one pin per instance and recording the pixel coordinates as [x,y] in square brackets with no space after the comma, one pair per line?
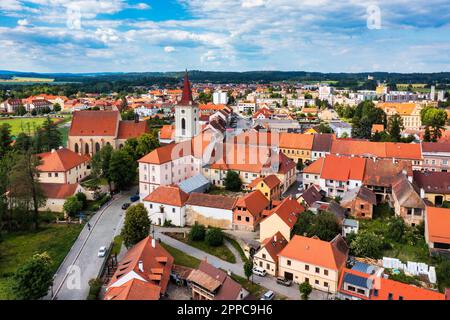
[136,226]
[122,169]
[214,237]
[197,232]
[33,279]
[5,139]
[367,244]
[72,206]
[323,225]
[232,181]
[305,290]
[248,268]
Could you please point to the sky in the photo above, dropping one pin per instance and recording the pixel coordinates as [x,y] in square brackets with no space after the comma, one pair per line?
[80,36]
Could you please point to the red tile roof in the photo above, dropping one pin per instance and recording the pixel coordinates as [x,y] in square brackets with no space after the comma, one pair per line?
[134,289]
[349,147]
[332,255]
[315,167]
[94,123]
[438,224]
[60,160]
[170,195]
[255,202]
[167,132]
[343,168]
[58,190]
[271,181]
[156,264]
[274,245]
[131,129]
[288,210]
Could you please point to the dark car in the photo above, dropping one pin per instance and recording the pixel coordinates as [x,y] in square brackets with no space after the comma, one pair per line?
[125,206]
[284,282]
[134,198]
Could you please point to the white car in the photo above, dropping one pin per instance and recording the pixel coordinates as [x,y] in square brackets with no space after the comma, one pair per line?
[101,252]
[259,271]
[269,295]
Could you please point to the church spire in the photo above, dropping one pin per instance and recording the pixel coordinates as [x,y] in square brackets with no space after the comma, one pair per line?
[186,98]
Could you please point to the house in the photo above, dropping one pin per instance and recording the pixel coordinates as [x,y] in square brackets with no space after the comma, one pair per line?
[92,130]
[349,226]
[167,204]
[57,193]
[380,174]
[314,261]
[10,105]
[210,283]
[142,274]
[359,202]
[371,284]
[248,211]
[341,129]
[335,174]
[281,219]
[63,166]
[167,134]
[310,195]
[267,256]
[406,201]
[210,210]
[394,151]
[408,111]
[296,146]
[433,186]
[263,113]
[270,186]
[437,229]
[436,156]
[322,145]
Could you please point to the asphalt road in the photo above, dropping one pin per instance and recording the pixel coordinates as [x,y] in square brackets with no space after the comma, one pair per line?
[82,263]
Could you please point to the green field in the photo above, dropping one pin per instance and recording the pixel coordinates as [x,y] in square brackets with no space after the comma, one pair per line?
[18,247]
[29,125]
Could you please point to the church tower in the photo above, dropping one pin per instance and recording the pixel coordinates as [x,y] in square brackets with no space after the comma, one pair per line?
[186,114]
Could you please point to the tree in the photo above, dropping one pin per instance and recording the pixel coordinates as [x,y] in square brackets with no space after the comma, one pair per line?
[72,206]
[248,268]
[434,120]
[25,189]
[303,224]
[214,237]
[49,135]
[5,139]
[365,115]
[101,163]
[232,181]
[146,143]
[136,226]
[305,290]
[325,226]
[396,230]
[443,274]
[325,128]
[395,127]
[367,244]
[23,142]
[82,198]
[197,232]
[21,111]
[33,279]
[299,165]
[122,169]
[57,107]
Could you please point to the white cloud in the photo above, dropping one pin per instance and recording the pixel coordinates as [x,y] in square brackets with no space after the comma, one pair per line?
[169,49]
[22,22]
[252,3]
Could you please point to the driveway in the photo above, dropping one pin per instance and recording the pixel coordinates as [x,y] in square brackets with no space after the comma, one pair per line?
[81,263]
[268,282]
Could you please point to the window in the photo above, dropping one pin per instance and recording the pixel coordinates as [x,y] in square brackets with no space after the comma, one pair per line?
[288,262]
[325,272]
[325,284]
[307,280]
[49,174]
[400,298]
[239,218]
[317,270]
[173,210]
[263,255]
[361,291]
[247,219]
[391,296]
[375,292]
[316,282]
[362,206]
[151,206]
[351,288]
[306,267]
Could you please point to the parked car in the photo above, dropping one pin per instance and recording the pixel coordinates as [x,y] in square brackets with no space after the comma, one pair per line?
[269,295]
[101,252]
[134,198]
[259,271]
[284,282]
[126,205]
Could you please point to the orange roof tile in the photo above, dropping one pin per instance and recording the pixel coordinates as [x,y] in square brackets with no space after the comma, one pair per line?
[271,181]
[315,167]
[60,160]
[134,289]
[255,202]
[167,132]
[332,255]
[343,168]
[408,292]
[274,245]
[131,129]
[94,123]
[296,141]
[170,195]
[402,108]
[438,224]
[288,210]
[58,190]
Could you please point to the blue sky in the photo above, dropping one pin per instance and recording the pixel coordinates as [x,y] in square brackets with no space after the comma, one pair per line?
[225,35]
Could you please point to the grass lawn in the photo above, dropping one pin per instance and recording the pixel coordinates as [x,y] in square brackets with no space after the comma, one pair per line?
[182,258]
[118,240]
[27,125]
[221,252]
[236,245]
[64,135]
[16,248]
[223,192]
[254,289]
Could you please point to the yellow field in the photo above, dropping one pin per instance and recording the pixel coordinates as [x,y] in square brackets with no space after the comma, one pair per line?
[24,79]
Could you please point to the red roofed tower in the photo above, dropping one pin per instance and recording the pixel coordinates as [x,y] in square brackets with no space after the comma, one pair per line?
[186,114]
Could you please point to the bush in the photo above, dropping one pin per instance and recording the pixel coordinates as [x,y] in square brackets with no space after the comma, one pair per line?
[197,232]
[232,181]
[396,229]
[367,244]
[214,237]
[95,286]
[82,198]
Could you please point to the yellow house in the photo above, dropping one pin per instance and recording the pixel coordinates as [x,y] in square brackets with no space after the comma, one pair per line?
[296,146]
[280,219]
[314,261]
[433,186]
[270,186]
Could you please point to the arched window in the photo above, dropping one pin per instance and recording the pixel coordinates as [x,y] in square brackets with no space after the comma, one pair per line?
[97,147]
[76,148]
[86,148]
[183,126]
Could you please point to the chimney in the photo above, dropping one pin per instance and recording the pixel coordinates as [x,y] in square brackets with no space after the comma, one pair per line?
[53,150]
[141,266]
[422,193]
[61,147]
[275,238]
[153,243]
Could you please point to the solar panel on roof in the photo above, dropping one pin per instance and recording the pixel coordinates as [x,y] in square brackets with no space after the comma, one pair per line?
[357,281]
